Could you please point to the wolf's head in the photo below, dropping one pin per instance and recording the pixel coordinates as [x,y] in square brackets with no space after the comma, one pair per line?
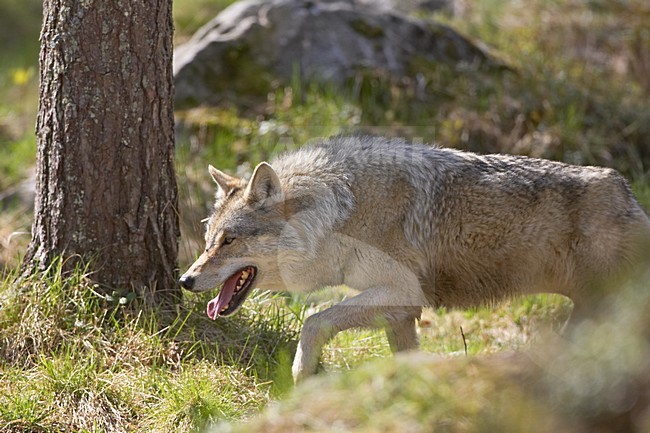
[241,240]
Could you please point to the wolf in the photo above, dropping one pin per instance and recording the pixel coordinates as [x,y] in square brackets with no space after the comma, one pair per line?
[411,226]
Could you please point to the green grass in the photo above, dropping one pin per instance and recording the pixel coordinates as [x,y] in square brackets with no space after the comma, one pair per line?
[594,378]
[71,360]
[414,394]
[510,325]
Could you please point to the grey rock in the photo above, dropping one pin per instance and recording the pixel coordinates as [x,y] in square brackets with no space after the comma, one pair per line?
[254,45]
[410,6]
[22,195]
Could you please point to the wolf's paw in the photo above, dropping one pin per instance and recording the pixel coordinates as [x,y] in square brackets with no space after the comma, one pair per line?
[304,365]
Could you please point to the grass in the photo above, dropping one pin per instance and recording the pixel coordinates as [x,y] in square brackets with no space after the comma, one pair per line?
[507,326]
[594,378]
[414,394]
[71,360]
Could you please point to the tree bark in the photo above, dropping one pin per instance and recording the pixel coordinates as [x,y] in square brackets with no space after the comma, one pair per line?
[106,186]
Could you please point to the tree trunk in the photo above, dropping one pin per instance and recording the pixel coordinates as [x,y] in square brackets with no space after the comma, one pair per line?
[106,187]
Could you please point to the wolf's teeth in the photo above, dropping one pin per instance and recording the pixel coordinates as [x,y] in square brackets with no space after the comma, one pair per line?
[242,280]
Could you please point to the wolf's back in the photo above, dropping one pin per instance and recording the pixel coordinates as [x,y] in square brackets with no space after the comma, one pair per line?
[473,227]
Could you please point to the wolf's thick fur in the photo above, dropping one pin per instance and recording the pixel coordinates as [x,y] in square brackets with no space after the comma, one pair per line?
[412,226]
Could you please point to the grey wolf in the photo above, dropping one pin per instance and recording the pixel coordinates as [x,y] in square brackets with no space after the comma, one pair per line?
[411,226]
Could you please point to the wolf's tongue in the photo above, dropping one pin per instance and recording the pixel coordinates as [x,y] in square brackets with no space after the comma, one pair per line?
[224,297]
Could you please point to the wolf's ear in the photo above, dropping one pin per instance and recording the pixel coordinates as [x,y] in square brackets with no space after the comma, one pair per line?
[263,184]
[223,180]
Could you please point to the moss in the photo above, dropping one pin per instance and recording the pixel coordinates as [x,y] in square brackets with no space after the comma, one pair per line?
[366,29]
[415,393]
[247,76]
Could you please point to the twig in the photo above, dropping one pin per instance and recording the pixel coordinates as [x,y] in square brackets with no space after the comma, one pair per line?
[464,339]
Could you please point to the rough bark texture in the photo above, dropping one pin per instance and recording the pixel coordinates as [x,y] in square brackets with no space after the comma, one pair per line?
[106,186]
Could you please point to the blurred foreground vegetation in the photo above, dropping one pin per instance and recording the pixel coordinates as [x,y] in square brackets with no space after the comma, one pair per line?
[577,90]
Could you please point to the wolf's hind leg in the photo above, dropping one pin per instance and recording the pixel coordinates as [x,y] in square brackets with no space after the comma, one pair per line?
[402,335]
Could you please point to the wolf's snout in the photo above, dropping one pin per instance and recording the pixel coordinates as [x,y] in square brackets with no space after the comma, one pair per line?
[187,282]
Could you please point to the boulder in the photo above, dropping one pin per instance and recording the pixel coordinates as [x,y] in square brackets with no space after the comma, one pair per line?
[254,45]
[21,195]
[411,6]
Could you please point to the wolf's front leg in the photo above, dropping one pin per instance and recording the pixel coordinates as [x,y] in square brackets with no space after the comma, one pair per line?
[373,308]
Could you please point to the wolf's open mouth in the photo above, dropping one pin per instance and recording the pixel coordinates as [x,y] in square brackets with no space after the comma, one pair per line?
[233,293]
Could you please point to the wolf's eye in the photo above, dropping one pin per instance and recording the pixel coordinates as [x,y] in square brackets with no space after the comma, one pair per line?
[228,241]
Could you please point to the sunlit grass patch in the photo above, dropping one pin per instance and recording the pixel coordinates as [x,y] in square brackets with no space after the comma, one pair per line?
[198,394]
[511,325]
[72,360]
[593,378]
